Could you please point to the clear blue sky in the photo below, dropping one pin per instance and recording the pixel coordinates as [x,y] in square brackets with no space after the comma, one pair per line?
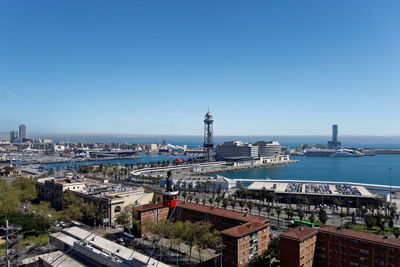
[154,67]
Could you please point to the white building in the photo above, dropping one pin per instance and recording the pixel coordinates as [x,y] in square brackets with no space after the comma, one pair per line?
[268,148]
[236,150]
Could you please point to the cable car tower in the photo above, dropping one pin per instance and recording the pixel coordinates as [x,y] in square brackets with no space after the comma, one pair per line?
[170,197]
[208,144]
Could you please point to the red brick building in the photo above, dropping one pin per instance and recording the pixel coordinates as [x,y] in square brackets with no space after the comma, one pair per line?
[243,235]
[339,247]
[297,246]
[154,212]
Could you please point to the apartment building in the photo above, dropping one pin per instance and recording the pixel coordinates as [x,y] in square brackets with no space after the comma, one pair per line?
[332,246]
[299,243]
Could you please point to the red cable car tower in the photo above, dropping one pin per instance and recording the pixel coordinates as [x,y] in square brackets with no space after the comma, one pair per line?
[170,197]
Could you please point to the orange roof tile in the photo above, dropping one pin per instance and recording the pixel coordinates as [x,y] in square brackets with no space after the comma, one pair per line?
[367,237]
[246,229]
[300,233]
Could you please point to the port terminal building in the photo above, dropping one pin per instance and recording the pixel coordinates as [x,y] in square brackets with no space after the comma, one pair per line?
[290,190]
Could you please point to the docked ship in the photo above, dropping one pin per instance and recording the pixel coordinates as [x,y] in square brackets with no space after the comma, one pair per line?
[319,152]
[347,153]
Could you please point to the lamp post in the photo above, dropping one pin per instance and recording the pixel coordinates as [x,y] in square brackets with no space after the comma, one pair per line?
[390,182]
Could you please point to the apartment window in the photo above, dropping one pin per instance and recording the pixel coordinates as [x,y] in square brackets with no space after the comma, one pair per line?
[363,251]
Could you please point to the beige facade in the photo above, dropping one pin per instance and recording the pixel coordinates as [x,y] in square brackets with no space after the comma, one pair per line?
[109,200]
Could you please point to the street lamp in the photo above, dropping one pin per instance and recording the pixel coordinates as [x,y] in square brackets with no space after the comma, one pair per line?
[390,177]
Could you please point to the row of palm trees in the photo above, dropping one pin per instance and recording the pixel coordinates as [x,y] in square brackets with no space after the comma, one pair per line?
[242,195]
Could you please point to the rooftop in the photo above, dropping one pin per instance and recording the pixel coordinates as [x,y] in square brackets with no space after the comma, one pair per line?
[367,237]
[56,258]
[246,229]
[106,247]
[300,233]
[148,207]
[332,189]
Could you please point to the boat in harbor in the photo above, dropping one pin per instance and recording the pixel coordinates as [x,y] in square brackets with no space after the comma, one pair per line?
[344,152]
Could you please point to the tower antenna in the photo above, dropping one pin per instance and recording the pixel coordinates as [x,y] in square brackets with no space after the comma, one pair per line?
[208,144]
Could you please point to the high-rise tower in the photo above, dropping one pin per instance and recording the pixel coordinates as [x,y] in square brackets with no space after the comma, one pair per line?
[334,132]
[334,144]
[22,131]
[208,136]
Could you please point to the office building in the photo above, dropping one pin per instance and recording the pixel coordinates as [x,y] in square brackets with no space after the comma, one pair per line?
[334,144]
[13,135]
[333,246]
[236,150]
[22,131]
[269,148]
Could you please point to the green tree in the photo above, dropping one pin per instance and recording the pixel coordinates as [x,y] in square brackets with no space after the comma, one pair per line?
[124,219]
[233,204]
[250,206]
[289,212]
[218,200]
[269,209]
[323,217]
[259,207]
[72,206]
[312,217]
[204,201]
[225,203]
[211,200]
[300,213]
[278,210]
[242,204]
[370,221]
[273,248]
[9,198]
[26,188]
[264,194]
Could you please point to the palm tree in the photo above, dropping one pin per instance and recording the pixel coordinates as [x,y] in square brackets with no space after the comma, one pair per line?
[312,217]
[204,202]
[259,207]
[233,204]
[250,206]
[278,210]
[289,212]
[241,204]
[301,215]
[225,203]
[211,200]
[218,200]
[269,209]
[263,194]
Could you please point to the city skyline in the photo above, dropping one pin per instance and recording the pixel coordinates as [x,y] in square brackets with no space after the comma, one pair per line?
[153,69]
